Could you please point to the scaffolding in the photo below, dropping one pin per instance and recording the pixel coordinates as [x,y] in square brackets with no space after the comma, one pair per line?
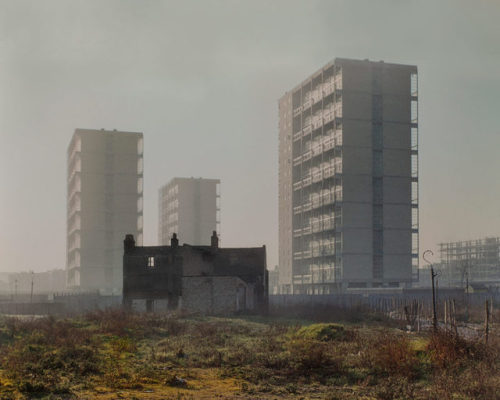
[473,261]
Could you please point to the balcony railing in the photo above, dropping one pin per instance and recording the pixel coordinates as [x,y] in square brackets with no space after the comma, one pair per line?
[306,181]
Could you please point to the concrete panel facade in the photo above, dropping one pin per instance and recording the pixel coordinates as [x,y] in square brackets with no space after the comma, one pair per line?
[348,178]
[188,207]
[104,204]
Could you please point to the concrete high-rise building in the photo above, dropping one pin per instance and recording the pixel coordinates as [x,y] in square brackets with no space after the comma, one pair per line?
[190,208]
[105,179]
[348,179]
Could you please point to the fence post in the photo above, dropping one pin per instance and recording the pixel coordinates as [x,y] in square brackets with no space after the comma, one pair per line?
[486,321]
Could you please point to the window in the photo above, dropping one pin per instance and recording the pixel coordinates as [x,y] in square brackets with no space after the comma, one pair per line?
[151,262]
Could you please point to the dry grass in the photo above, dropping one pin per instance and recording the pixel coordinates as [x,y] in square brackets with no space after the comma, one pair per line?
[119,355]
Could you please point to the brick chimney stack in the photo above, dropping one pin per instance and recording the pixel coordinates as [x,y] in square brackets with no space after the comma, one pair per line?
[129,243]
[174,242]
[214,240]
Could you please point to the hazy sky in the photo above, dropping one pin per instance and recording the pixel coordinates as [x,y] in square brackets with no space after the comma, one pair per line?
[201,79]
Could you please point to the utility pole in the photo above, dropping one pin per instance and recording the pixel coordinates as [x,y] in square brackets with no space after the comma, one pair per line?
[31,297]
[434,313]
[486,321]
[467,296]
[433,275]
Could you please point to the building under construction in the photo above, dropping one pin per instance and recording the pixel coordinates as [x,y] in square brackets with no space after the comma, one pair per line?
[471,261]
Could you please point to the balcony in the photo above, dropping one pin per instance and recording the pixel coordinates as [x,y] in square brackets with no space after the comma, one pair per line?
[316,202]
[306,156]
[297,136]
[328,116]
[317,176]
[307,103]
[306,181]
[307,129]
[297,111]
[317,122]
[328,199]
[328,88]
[316,150]
[328,172]
[328,144]
[317,95]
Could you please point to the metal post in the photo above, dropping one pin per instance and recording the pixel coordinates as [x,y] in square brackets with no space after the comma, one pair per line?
[434,313]
[433,275]
[467,297]
[31,297]
[486,321]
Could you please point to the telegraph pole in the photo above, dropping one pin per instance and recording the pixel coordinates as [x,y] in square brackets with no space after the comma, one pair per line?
[434,313]
[433,275]
[31,298]
[467,297]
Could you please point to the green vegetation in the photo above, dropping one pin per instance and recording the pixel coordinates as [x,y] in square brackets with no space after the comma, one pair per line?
[109,355]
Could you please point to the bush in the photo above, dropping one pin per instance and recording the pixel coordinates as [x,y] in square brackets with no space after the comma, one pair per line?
[391,354]
[323,332]
[447,350]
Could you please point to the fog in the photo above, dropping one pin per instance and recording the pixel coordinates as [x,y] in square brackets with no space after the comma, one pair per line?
[201,80]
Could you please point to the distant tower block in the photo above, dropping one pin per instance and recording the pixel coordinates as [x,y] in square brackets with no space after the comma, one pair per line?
[190,208]
[105,173]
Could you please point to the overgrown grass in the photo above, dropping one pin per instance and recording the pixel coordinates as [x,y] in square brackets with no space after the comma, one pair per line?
[145,355]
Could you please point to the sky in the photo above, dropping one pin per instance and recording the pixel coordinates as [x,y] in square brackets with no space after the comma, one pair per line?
[201,80]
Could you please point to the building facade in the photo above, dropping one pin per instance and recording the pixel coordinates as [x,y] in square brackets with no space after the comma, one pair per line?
[190,208]
[348,179]
[203,279]
[104,202]
[38,282]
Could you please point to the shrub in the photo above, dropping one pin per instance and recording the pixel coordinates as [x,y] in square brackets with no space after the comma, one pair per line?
[390,354]
[308,357]
[323,332]
[447,350]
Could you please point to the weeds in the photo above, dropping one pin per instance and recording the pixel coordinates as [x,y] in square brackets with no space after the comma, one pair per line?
[127,352]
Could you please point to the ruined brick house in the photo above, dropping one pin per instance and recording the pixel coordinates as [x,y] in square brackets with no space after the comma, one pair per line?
[204,279]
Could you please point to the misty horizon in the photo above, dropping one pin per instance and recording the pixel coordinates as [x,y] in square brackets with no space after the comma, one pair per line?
[202,81]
